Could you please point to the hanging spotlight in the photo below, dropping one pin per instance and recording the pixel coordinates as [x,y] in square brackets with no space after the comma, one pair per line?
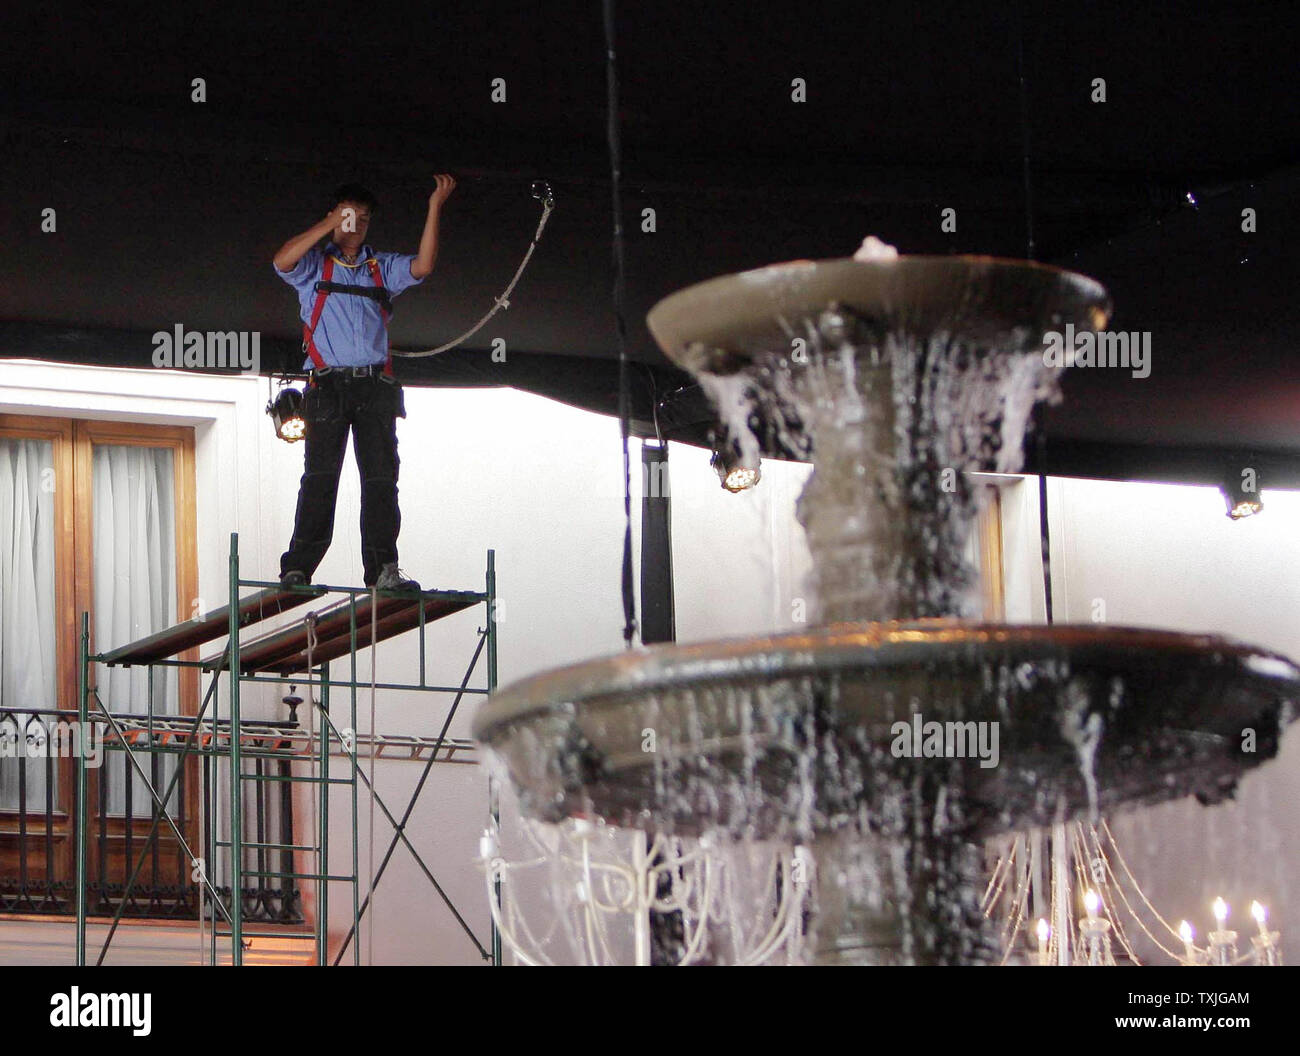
[286,412]
[1241,492]
[733,471]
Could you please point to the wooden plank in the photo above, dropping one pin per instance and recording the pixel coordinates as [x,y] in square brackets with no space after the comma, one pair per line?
[388,625]
[332,623]
[285,651]
[268,602]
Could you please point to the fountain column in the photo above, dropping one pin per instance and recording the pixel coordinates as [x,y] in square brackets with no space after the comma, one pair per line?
[896,420]
[888,509]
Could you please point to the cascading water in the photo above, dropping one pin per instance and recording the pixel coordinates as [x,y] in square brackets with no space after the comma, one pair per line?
[899,376]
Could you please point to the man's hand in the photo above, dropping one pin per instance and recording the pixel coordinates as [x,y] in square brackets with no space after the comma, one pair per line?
[446,184]
[288,255]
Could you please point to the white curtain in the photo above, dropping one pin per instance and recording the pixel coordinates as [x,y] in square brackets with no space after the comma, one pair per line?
[134,533]
[28,674]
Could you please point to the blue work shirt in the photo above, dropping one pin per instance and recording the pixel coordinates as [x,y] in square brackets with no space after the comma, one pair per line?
[351,331]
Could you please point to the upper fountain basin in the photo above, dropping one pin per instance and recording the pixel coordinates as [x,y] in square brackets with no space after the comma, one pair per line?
[716,325]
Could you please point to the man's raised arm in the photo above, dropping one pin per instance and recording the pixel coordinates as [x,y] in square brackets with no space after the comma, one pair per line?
[288,255]
[422,265]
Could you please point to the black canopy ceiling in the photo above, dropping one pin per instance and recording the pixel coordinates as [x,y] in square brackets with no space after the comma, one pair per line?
[168,210]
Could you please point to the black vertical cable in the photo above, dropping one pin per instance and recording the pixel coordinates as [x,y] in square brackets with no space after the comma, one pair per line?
[1024,131]
[1044,536]
[629,601]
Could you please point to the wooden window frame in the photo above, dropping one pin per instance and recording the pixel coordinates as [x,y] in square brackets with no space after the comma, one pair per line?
[73,442]
[989,548]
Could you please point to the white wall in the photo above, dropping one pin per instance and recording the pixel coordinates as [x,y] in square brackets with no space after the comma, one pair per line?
[536,480]
[541,483]
[739,560]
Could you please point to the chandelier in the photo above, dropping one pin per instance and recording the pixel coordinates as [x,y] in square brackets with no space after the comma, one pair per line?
[1079,866]
[617,896]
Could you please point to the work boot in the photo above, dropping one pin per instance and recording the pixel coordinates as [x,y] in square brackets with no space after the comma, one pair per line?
[294,577]
[391,578]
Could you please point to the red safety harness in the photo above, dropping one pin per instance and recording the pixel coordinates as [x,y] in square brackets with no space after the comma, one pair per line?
[308,330]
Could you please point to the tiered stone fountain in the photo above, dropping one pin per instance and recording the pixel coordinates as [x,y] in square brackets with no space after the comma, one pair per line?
[903,375]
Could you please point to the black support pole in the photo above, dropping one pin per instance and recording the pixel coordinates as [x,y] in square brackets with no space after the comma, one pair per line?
[658,623]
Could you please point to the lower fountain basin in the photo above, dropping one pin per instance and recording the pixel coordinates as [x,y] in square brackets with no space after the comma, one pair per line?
[798,735]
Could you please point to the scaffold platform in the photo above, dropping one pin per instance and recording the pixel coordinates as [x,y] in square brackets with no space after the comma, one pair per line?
[343,627]
[229,751]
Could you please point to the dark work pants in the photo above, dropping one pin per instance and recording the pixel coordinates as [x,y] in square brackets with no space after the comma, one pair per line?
[369,407]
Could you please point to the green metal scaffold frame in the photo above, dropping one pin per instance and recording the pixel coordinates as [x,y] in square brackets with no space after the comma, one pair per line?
[234,741]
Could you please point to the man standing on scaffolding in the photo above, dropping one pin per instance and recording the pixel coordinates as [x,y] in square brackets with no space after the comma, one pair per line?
[344,298]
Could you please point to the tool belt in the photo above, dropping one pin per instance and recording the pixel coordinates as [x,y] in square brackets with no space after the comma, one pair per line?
[372,370]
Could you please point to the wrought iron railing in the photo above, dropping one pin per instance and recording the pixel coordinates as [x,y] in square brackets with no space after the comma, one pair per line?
[127,834]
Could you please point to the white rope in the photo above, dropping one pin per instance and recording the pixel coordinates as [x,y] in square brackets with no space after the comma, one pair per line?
[548,203]
[309,622]
[370,895]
